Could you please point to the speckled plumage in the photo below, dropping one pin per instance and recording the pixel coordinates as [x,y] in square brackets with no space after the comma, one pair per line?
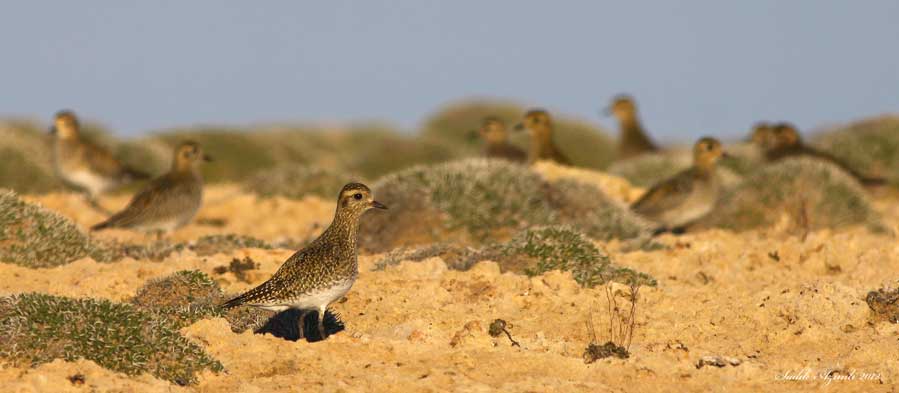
[783,141]
[169,201]
[84,165]
[497,142]
[633,140]
[324,271]
[543,146]
[688,195]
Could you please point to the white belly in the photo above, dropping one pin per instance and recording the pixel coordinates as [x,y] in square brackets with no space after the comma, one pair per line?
[93,183]
[314,300]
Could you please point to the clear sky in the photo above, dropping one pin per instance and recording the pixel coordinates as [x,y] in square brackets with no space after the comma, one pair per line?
[696,67]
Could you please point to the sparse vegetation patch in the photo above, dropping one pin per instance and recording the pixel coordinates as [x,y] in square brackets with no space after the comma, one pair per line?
[38,328]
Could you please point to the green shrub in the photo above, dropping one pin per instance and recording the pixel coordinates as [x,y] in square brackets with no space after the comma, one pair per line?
[648,169]
[150,155]
[869,146]
[587,208]
[378,156]
[814,193]
[298,181]
[476,201]
[38,328]
[468,201]
[36,237]
[27,160]
[532,251]
[585,144]
[455,256]
[183,297]
[544,249]
[225,244]
[106,251]
[457,123]
[22,174]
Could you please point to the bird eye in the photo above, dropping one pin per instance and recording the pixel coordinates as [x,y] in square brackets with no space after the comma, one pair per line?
[357,196]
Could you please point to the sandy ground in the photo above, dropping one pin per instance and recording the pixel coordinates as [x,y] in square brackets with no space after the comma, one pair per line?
[780,306]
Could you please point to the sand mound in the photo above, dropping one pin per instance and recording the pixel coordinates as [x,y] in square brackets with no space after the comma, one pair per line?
[772,301]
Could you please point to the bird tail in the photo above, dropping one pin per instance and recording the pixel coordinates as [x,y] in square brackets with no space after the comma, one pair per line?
[134,174]
[237,301]
[103,225]
[109,223]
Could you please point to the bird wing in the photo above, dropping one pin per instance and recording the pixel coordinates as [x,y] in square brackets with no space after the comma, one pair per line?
[161,198]
[286,283]
[103,162]
[666,195]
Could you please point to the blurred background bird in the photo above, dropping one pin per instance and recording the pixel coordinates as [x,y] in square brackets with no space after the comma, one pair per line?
[632,138]
[688,195]
[543,146]
[84,165]
[169,201]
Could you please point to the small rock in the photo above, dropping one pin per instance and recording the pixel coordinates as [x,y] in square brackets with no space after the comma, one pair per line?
[718,361]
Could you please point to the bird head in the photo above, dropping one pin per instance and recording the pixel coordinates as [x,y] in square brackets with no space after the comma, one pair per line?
[761,134]
[622,108]
[784,135]
[65,125]
[356,198]
[536,121]
[706,152]
[188,155]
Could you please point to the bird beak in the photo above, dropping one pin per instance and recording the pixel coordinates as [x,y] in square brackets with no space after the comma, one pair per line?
[53,130]
[207,158]
[378,205]
[519,127]
[726,155]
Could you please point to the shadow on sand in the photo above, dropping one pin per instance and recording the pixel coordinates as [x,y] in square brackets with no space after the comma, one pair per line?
[284,325]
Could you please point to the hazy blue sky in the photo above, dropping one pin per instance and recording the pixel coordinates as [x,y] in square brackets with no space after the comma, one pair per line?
[696,67]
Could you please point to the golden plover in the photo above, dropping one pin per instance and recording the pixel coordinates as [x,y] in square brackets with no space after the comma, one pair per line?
[494,132]
[784,141]
[321,273]
[84,165]
[761,134]
[543,147]
[632,138]
[169,201]
[688,195]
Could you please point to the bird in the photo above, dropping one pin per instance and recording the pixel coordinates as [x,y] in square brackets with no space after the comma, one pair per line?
[84,165]
[784,141]
[633,140]
[761,133]
[543,147]
[324,271]
[167,202]
[493,130]
[688,195]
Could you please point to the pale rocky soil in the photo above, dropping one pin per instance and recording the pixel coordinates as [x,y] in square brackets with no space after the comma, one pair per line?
[776,303]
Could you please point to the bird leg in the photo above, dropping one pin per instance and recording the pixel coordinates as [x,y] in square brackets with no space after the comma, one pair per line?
[301,324]
[321,322]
